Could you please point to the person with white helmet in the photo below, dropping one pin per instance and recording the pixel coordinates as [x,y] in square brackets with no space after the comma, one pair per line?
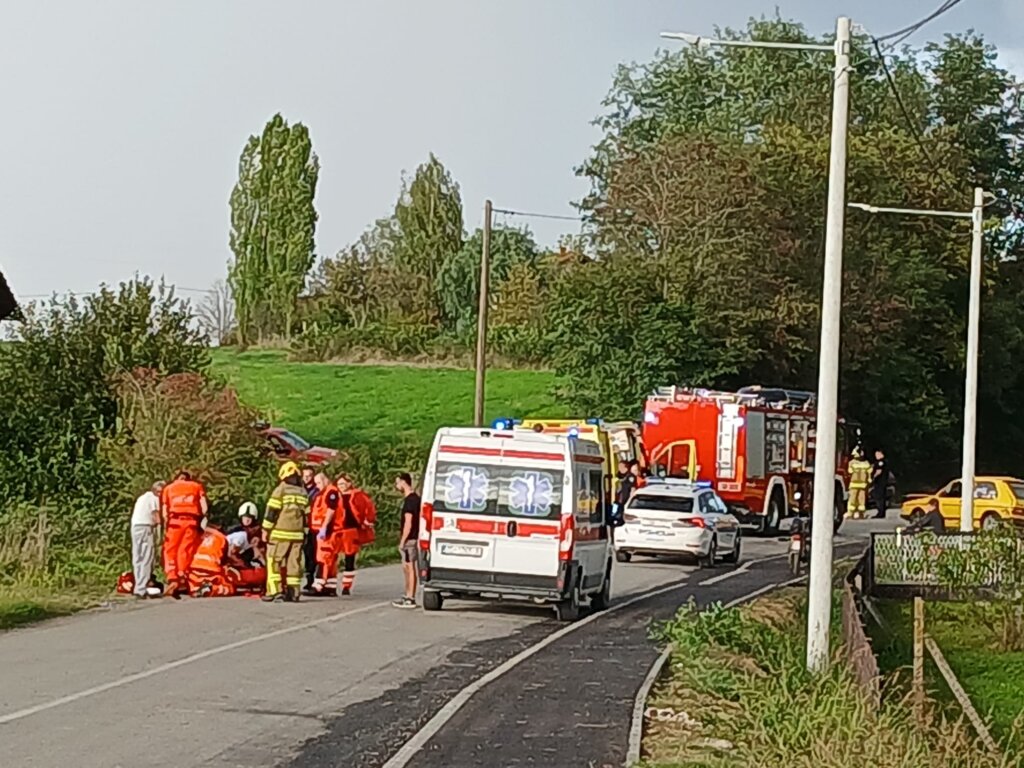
[245,537]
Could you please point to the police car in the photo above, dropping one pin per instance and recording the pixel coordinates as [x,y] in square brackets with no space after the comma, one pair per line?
[678,517]
[511,513]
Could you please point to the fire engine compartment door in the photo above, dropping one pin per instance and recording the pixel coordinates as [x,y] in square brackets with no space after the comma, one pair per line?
[755,444]
[678,457]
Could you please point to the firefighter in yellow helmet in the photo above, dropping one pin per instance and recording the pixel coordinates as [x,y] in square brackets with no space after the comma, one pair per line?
[860,475]
[284,529]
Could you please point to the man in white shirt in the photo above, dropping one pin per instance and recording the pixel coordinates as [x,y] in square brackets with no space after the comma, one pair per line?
[145,519]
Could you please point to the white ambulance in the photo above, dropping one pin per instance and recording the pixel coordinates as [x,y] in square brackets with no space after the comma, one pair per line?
[515,514]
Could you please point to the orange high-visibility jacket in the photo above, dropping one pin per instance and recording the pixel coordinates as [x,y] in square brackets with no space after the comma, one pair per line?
[212,552]
[318,516]
[183,498]
[364,511]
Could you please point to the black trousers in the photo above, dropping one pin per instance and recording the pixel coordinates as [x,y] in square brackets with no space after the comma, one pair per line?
[878,493]
[309,556]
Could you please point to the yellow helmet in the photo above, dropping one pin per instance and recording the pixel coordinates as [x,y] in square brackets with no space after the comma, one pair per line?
[287,469]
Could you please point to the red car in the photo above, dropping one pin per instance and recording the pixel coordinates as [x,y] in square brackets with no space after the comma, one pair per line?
[288,446]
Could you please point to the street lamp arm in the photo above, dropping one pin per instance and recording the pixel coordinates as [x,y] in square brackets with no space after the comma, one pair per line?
[707,42]
[911,211]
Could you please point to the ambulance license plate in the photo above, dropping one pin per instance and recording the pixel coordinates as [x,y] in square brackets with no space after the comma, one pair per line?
[462,550]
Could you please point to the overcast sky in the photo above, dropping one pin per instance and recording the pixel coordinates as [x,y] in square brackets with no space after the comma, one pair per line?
[123,120]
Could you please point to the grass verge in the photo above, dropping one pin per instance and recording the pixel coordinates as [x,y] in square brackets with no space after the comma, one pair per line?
[993,679]
[736,694]
[20,605]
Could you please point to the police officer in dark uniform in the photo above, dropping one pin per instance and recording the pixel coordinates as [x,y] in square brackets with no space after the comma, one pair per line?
[880,484]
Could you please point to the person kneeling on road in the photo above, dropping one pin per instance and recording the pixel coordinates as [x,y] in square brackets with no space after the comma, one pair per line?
[218,569]
[284,530]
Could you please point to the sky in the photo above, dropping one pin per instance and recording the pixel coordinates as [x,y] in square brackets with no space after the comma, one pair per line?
[123,120]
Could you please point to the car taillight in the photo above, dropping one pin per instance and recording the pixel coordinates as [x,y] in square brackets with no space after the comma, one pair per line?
[690,522]
[426,521]
[566,535]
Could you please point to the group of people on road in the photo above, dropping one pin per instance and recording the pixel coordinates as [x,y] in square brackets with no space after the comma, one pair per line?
[309,525]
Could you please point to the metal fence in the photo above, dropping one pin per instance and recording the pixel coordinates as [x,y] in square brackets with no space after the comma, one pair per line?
[857,647]
[949,566]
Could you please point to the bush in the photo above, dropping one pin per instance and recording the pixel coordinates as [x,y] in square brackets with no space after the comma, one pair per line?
[168,423]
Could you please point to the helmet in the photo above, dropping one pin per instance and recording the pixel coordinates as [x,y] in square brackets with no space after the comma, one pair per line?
[287,469]
[858,453]
[248,509]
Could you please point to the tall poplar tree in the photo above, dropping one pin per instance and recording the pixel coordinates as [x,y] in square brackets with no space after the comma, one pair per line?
[273,222]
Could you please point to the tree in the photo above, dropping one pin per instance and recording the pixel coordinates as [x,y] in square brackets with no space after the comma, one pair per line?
[711,177]
[428,217]
[273,222]
[458,282]
[216,313]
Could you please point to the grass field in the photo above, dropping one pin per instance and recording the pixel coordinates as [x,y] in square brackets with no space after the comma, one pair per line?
[362,405]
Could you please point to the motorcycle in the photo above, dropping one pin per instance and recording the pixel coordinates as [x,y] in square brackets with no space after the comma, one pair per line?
[799,544]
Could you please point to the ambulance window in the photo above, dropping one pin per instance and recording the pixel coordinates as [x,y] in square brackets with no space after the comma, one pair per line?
[480,489]
[597,493]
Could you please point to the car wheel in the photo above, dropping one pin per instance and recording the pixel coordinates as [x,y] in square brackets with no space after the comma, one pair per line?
[734,557]
[569,609]
[708,561]
[432,601]
[602,599]
[623,557]
[990,521]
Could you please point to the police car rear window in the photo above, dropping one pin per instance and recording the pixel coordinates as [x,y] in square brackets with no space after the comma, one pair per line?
[479,489]
[683,504]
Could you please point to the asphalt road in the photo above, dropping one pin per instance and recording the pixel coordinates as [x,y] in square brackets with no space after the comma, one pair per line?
[347,681]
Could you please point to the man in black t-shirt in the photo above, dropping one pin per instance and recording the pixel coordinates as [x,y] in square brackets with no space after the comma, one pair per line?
[409,537]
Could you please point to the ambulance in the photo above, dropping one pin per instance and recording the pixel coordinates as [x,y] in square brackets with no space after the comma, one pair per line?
[512,513]
[618,441]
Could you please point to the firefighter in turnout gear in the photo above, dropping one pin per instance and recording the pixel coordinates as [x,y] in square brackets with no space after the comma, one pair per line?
[860,475]
[284,527]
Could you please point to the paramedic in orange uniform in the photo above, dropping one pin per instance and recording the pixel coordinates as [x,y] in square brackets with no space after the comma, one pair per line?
[324,519]
[218,570]
[183,506]
[358,517]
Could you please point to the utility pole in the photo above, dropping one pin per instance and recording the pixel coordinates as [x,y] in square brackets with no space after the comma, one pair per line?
[481,325]
[967,468]
[819,607]
[971,382]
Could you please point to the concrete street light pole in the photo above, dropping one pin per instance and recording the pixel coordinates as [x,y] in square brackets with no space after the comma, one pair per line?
[481,320]
[819,612]
[967,468]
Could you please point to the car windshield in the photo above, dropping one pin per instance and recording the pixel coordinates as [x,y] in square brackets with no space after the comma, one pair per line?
[480,489]
[294,440]
[683,504]
[1017,488]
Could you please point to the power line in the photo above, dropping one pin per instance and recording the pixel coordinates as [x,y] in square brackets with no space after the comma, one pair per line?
[903,34]
[525,214]
[914,128]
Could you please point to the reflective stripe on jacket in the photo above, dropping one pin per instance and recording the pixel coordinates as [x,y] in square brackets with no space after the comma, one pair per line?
[287,510]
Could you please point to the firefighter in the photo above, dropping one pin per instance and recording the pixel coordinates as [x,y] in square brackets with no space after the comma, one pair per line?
[324,519]
[183,506]
[860,474]
[284,528]
[359,515]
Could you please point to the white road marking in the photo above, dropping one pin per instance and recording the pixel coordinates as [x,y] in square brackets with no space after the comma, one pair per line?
[419,739]
[636,727]
[128,679]
[728,575]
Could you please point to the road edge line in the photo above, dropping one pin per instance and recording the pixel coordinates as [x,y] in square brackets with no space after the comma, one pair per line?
[168,666]
[636,726]
[418,740]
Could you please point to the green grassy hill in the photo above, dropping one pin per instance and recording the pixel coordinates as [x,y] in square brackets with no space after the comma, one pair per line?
[361,405]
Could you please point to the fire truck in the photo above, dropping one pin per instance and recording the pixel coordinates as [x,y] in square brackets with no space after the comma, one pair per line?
[755,446]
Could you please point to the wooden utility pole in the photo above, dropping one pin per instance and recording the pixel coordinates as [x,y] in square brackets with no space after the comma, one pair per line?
[481,327]
[919,659]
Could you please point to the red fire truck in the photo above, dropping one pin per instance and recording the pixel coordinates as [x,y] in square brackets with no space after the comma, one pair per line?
[754,446]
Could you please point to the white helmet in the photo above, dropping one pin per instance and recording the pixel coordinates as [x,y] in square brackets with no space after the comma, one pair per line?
[248,509]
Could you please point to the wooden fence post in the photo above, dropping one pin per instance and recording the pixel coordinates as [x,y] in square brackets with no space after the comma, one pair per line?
[919,659]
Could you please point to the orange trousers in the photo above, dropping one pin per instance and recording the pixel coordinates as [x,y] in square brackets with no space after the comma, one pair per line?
[228,581]
[181,540]
[326,564]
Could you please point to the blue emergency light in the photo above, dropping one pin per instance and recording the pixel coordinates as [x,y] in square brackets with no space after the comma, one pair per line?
[703,483]
[593,421]
[502,424]
[574,431]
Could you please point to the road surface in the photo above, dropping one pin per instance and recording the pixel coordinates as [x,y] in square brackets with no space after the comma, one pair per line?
[347,681]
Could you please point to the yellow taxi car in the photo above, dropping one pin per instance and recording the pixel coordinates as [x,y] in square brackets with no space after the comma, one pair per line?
[996,500]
